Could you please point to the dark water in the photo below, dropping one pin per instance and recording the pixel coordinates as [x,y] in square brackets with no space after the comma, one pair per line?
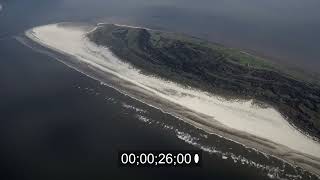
[56,123]
[285,30]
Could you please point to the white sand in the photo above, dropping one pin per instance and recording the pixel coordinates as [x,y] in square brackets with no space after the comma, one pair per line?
[266,123]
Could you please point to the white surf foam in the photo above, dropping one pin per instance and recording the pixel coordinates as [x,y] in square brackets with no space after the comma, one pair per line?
[138,110]
[239,115]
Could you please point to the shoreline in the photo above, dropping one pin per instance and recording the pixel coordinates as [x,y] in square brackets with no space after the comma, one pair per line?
[197,119]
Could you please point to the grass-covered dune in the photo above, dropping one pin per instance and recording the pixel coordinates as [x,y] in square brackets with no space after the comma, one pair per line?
[211,67]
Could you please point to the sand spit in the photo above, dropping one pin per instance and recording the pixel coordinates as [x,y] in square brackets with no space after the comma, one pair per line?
[241,121]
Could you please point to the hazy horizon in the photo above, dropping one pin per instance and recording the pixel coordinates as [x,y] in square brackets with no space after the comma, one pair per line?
[284,30]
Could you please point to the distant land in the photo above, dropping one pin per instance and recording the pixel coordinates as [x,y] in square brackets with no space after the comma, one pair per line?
[211,67]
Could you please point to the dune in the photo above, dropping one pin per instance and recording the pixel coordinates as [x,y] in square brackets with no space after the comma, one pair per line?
[262,128]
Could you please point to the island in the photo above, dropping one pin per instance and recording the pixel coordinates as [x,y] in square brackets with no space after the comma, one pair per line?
[214,68]
[223,91]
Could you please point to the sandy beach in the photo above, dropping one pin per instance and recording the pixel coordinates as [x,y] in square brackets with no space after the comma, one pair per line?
[241,121]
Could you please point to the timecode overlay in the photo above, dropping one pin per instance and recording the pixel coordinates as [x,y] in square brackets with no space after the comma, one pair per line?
[160,158]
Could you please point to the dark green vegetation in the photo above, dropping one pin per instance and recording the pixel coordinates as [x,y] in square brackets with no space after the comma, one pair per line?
[214,68]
